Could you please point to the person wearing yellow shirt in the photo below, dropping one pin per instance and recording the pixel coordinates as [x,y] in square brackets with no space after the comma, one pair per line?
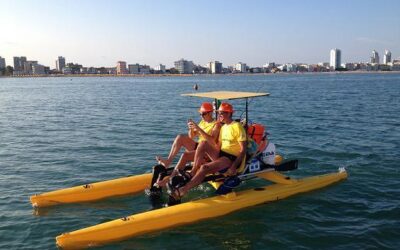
[227,154]
[206,130]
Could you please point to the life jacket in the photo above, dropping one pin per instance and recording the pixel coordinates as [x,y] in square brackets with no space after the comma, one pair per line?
[256,132]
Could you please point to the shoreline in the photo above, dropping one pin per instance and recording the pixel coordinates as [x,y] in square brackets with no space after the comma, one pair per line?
[194,75]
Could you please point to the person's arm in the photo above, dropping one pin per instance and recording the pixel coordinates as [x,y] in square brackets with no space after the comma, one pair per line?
[215,131]
[212,139]
[191,132]
[236,164]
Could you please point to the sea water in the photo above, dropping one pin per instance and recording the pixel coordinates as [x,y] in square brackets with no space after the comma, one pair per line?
[61,132]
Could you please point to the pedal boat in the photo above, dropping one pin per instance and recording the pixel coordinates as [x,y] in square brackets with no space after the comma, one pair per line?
[185,213]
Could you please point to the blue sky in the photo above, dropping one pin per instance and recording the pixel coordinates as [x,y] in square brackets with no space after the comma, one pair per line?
[100,33]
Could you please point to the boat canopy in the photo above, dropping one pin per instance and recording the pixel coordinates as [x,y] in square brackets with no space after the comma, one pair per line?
[227,95]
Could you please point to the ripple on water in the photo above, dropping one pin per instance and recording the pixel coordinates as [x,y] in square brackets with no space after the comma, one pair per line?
[58,133]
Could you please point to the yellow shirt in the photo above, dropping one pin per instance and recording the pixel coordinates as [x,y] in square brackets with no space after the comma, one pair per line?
[206,127]
[230,137]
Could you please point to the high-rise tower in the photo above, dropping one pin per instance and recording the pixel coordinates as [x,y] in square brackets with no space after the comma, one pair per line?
[336,57]
[387,57]
[60,63]
[2,63]
[19,63]
[375,57]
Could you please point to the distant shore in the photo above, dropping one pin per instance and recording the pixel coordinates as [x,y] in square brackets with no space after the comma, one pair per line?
[193,75]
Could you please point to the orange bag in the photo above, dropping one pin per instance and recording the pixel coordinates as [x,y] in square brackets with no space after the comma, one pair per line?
[256,132]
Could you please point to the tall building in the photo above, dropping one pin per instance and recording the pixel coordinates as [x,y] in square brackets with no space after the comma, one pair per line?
[184,67]
[19,63]
[60,63]
[241,67]
[2,63]
[215,67]
[121,68]
[387,57]
[375,57]
[336,58]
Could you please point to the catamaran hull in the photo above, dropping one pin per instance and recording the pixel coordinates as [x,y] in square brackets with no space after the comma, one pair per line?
[100,190]
[93,191]
[189,212]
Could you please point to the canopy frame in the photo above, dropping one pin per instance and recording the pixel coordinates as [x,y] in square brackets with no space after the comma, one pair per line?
[229,95]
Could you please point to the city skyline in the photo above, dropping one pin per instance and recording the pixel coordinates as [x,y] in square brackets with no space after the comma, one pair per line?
[335,61]
[25,67]
[100,34]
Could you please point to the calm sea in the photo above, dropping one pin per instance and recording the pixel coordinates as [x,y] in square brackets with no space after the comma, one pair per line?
[61,132]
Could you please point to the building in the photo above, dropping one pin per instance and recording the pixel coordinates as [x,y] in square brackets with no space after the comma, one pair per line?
[375,57]
[111,71]
[160,68]
[38,69]
[121,68]
[324,64]
[138,69]
[241,67]
[387,57]
[350,66]
[72,68]
[395,65]
[28,67]
[144,69]
[269,65]
[19,63]
[60,63]
[92,70]
[134,68]
[184,67]
[198,69]
[267,68]
[256,70]
[291,67]
[365,67]
[336,57]
[215,67]
[68,70]
[2,63]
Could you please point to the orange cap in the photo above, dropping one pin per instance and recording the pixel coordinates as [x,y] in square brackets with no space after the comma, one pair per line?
[206,107]
[225,107]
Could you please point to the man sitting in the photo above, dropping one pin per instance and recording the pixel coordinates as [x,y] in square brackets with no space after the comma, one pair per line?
[227,154]
[207,129]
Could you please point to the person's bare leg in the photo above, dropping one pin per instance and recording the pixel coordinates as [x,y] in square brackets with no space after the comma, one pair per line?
[185,158]
[179,142]
[203,149]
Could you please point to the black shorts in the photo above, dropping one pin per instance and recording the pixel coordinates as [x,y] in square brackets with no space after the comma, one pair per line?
[227,155]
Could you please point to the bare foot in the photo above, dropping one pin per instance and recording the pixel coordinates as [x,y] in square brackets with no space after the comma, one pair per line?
[163,162]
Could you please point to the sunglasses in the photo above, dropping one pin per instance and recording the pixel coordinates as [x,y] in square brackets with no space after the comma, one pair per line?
[222,113]
[205,113]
